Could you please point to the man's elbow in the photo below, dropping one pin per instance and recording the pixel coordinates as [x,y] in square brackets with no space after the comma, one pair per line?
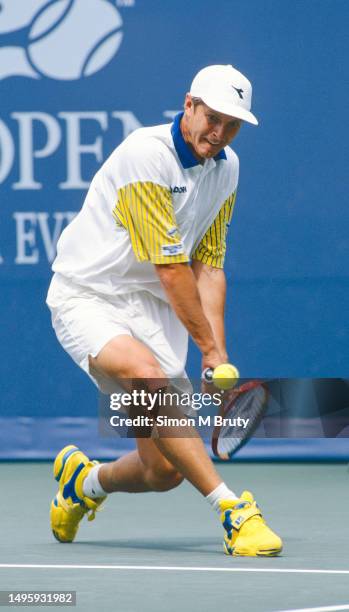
[171,273]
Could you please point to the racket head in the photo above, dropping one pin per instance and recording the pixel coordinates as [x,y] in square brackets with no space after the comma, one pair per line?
[248,401]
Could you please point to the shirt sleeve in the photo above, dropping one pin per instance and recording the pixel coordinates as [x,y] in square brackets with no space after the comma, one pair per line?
[212,247]
[145,210]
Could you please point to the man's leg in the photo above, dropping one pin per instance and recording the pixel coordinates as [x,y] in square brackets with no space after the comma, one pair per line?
[160,460]
[159,464]
[145,469]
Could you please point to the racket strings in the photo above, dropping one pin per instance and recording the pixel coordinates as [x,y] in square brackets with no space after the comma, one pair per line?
[250,406]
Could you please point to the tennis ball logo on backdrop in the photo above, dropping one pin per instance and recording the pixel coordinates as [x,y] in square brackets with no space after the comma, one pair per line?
[58,39]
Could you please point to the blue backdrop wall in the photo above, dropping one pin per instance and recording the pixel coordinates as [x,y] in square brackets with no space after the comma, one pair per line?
[76,76]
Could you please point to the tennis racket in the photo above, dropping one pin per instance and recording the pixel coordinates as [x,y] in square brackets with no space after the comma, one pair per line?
[248,401]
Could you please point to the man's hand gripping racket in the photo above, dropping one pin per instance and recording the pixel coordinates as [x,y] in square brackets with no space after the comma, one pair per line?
[246,401]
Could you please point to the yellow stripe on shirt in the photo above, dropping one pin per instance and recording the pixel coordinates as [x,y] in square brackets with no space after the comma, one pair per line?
[145,210]
[212,247]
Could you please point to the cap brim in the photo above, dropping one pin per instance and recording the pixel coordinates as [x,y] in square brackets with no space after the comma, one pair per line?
[231,110]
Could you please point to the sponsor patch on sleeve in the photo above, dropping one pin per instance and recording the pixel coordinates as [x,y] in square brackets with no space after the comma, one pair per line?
[172,249]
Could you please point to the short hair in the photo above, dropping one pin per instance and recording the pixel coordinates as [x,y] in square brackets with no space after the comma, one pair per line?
[196,101]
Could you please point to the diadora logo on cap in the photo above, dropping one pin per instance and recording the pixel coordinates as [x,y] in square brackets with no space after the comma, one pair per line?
[239,92]
[58,39]
[177,189]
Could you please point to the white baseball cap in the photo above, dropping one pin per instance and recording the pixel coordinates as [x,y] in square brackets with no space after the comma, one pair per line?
[226,90]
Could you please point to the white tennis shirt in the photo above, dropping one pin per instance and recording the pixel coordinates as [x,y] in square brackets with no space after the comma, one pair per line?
[150,202]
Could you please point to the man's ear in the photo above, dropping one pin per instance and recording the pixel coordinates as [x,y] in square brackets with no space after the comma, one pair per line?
[188,104]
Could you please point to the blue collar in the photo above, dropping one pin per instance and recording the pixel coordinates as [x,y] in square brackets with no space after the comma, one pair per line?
[183,151]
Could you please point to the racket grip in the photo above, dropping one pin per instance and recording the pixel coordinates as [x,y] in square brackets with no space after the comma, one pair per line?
[207,375]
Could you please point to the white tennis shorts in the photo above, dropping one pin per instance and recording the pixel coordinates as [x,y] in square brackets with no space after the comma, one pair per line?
[85,322]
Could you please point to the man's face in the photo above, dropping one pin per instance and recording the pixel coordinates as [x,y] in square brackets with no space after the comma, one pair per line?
[206,130]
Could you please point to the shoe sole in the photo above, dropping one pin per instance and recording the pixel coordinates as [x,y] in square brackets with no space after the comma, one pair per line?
[271,552]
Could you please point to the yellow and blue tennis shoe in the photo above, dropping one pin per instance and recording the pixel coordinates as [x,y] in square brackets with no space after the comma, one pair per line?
[247,534]
[70,505]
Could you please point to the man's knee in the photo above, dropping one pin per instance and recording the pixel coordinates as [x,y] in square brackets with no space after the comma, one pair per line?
[163,478]
[151,375]
[124,358]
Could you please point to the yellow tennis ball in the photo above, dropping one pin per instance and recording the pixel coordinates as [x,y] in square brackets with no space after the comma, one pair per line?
[225,376]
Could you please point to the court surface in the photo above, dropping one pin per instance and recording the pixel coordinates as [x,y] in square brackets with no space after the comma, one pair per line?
[162,551]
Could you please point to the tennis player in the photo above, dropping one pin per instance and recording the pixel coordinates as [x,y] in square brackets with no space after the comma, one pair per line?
[138,269]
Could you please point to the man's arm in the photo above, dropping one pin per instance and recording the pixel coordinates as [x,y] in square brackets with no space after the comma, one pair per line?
[180,285]
[207,266]
[211,284]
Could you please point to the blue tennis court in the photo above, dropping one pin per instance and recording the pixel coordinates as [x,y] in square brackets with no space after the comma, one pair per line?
[164,550]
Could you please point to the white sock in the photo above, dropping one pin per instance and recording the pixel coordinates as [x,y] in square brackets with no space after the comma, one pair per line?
[219,493]
[91,487]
